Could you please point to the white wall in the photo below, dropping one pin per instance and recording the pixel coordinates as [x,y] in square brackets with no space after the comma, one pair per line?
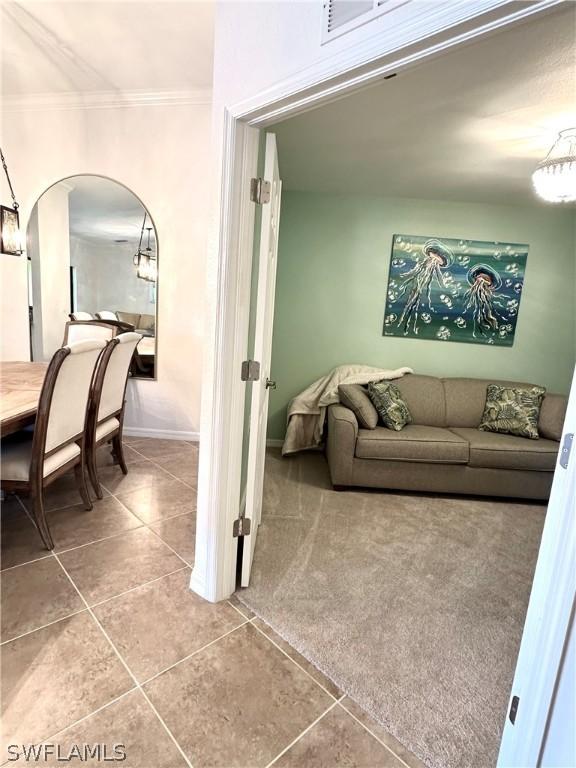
[162,153]
[86,274]
[14,329]
[49,250]
[287,37]
[14,338]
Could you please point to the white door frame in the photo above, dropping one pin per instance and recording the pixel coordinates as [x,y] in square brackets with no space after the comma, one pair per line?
[230,256]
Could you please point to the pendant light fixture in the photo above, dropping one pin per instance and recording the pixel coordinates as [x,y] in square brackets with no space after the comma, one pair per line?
[10,235]
[554,179]
[138,255]
[145,263]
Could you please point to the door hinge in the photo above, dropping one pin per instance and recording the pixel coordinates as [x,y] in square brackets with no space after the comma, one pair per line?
[250,370]
[241,527]
[514,709]
[566,449]
[260,191]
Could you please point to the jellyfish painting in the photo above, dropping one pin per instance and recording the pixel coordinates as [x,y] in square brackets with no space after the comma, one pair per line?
[446,289]
[482,297]
[417,285]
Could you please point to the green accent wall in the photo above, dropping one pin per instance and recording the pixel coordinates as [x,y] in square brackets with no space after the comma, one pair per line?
[332,276]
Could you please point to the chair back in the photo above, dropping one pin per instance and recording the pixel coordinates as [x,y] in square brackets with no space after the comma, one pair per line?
[62,410]
[105,314]
[82,330]
[80,316]
[114,377]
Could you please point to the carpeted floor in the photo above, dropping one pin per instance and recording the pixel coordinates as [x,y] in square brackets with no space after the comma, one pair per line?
[412,604]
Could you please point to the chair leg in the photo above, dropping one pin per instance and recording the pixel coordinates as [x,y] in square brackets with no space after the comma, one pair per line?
[119,453]
[93,472]
[80,476]
[40,517]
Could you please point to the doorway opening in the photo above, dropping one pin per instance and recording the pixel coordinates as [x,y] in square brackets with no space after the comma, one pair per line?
[410,237]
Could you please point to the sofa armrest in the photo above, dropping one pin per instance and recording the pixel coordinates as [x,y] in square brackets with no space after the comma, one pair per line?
[552,415]
[341,443]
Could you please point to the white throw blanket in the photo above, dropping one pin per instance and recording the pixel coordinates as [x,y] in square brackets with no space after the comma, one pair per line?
[307,412]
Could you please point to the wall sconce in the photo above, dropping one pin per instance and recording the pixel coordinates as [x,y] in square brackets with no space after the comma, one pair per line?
[10,235]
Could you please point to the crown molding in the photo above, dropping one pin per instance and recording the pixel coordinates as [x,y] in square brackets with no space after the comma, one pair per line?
[35,102]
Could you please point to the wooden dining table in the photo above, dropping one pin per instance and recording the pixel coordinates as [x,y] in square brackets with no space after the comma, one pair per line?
[20,386]
[147,346]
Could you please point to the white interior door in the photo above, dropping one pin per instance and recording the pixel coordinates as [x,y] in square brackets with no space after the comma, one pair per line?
[262,353]
[539,729]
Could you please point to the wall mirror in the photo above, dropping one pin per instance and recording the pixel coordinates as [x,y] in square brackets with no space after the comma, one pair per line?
[93,256]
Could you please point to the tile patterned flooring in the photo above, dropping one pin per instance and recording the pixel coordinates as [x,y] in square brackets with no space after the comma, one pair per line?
[103,642]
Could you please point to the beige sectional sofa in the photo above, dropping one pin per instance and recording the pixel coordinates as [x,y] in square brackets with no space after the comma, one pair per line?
[443,450]
[144,324]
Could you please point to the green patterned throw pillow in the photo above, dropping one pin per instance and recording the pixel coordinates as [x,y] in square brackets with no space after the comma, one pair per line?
[390,405]
[512,410]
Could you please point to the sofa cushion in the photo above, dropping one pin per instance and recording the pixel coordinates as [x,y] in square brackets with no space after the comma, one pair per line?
[355,397]
[415,442]
[512,410]
[552,415]
[108,426]
[147,322]
[390,405]
[466,398]
[496,451]
[424,396]
[129,317]
[17,456]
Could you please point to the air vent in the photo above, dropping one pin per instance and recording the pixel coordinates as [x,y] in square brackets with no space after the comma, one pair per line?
[342,12]
[342,16]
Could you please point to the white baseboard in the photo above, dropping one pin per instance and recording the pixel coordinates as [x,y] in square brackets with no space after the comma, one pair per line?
[165,434]
[272,442]
[197,583]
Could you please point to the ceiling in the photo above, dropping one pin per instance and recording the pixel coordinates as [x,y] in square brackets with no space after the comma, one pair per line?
[469,125]
[63,47]
[103,210]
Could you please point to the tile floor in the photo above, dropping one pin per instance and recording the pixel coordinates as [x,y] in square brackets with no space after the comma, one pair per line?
[104,644]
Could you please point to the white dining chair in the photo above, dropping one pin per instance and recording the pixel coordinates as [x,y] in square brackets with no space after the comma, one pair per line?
[80,330]
[80,316]
[105,314]
[107,403]
[33,460]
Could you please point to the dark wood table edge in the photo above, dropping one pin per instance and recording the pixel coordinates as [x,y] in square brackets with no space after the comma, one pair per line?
[16,423]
